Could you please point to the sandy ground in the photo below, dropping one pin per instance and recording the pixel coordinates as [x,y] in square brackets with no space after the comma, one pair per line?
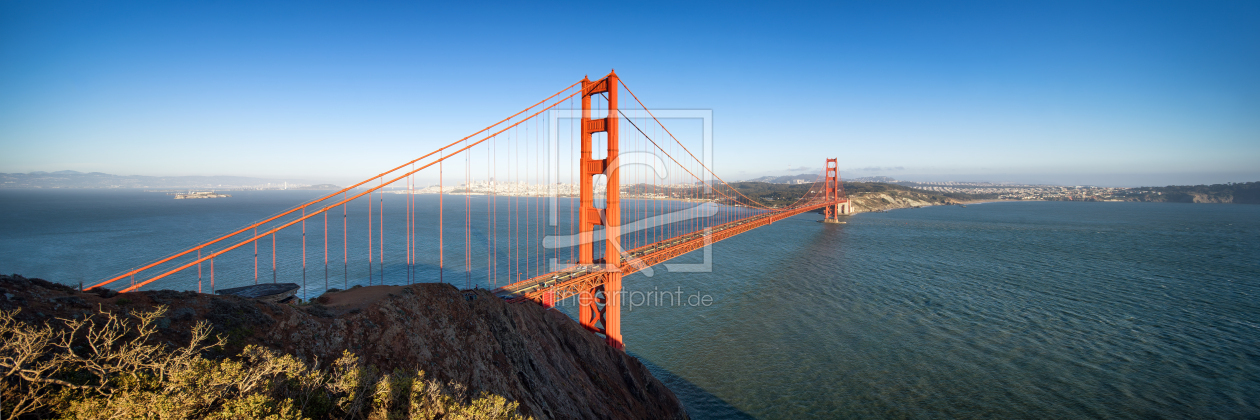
[358,297]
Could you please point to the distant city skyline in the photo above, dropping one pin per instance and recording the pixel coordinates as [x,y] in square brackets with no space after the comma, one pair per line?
[236,182]
[1068,93]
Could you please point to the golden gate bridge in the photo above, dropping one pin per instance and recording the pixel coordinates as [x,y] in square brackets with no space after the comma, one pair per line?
[637,197]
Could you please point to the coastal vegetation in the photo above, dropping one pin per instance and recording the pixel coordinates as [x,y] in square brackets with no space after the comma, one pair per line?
[111,365]
[865,187]
[425,350]
[786,194]
[772,195]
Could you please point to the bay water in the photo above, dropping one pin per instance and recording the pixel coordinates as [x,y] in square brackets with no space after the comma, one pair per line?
[995,310]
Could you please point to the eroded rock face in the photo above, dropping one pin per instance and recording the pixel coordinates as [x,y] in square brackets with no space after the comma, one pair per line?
[540,358]
[879,201]
[1209,198]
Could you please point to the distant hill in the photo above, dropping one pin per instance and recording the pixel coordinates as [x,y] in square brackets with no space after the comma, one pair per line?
[1239,193]
[810,178]
[75,179]
[320,187]
[883,179]
[788,179]
[780,194]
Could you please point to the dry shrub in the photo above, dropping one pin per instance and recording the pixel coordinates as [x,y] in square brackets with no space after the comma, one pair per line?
[108,366]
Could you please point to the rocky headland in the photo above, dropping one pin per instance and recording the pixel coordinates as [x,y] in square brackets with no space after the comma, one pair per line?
[539,358]
[896,199]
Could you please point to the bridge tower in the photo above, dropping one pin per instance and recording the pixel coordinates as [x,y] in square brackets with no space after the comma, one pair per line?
[599,307]
[832,190]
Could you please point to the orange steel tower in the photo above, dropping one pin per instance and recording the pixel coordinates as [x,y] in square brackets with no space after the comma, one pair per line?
[599,307]
[831,189]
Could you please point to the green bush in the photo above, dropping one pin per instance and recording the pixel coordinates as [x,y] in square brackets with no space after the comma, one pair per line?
[107,366]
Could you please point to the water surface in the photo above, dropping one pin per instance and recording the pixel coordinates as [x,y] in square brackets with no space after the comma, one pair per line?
[998,310]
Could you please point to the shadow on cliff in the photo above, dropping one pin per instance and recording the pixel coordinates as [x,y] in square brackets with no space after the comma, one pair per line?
[699,403]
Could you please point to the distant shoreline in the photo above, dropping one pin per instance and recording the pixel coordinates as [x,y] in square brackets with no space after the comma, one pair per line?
[995,201]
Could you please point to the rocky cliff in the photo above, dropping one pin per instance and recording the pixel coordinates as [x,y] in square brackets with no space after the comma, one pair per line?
[539,358]
[895,199]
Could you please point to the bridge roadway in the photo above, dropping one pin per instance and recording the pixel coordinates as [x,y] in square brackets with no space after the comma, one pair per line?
[576,279]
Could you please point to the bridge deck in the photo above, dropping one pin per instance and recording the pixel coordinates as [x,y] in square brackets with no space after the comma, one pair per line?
[579,278]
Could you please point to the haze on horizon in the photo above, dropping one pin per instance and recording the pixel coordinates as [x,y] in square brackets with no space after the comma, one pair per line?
[1074,93]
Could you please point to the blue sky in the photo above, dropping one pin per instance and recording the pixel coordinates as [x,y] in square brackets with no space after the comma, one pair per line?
[1105,93]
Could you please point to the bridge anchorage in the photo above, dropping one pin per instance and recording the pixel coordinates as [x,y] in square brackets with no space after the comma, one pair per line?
[543,219]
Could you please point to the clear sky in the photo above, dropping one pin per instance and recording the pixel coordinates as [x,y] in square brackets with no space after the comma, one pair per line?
[1105,93]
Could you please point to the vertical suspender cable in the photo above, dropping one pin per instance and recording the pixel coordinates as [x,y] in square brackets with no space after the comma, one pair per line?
[467,218]
[415,235]
[415,252]
[489,215]
[516,205]
[382,237]
[255,255]
[554,170]
[303,253]
[411,216]
[657,203]
[494,210]
[441,213]
[325,252]
[509,160]
[345,248]
[572,181]
[539,221]
[528,222]
[407,228]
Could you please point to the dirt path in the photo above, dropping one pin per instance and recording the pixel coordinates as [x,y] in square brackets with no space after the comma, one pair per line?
[358,297]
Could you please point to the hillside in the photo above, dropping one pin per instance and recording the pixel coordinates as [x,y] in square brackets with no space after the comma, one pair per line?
[895,199]
[1238,193]
[866,196]
[810,178]
[786,179]
[472,340]
[871,196]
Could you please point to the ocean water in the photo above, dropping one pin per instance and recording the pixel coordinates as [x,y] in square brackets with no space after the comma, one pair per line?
[74,236]
[997,310]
